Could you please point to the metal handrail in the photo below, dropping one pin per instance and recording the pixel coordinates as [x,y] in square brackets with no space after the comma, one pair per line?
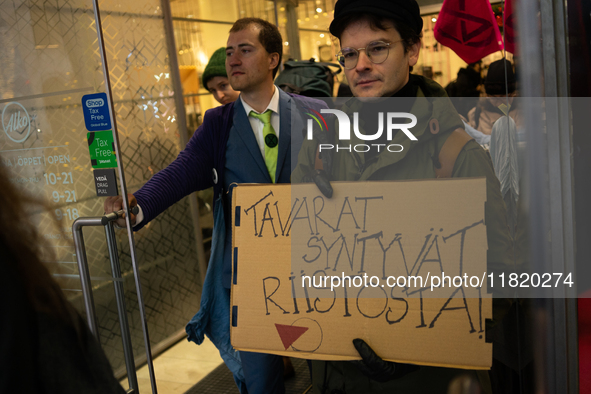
[106,221]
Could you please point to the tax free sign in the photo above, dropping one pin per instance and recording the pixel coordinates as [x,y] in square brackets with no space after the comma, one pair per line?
[100,143]
[96,112]
[100,136]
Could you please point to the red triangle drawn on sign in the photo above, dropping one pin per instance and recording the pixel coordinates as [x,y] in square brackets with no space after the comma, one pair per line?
[289,334]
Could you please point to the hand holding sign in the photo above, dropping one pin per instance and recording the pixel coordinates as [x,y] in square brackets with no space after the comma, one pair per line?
[377,369]
[320,178]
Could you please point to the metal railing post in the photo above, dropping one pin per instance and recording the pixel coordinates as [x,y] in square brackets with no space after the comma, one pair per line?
[106,221]
[83,269]
[121,307]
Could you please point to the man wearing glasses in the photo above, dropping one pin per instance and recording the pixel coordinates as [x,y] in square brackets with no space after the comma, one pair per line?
[380,43]
[377,53]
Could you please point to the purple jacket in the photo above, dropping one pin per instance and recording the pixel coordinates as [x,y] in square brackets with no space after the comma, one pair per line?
[192,170]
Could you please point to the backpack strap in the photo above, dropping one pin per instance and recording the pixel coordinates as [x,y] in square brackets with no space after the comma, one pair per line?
[449,152]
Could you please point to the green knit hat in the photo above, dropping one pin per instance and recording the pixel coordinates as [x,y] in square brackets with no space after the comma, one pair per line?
[216,66]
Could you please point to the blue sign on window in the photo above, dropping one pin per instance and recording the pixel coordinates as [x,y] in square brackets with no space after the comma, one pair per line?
[96,112]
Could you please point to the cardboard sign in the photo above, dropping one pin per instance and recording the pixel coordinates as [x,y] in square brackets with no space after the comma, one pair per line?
[96,112]
[291,244]
[101,149]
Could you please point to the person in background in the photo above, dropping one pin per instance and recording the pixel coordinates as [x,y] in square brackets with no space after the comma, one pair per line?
[215,79]
[498,94]
[45,345]
[465,90]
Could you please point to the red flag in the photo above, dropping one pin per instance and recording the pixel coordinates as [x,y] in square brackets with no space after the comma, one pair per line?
[469,28]
[508,25]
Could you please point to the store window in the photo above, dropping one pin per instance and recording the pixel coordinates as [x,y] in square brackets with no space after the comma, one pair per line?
[200,28]
[314,18]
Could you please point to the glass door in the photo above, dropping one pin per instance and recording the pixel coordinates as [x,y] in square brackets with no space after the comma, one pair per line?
[50,59]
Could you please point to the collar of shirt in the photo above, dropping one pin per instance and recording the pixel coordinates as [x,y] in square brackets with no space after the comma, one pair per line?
[257,125]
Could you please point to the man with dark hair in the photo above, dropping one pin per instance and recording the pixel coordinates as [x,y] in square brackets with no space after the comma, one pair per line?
[398,29]
[268,36]
[408,34]
[247,141]
[380,43]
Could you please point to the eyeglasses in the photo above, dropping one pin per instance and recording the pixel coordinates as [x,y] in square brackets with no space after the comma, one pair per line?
[376,51]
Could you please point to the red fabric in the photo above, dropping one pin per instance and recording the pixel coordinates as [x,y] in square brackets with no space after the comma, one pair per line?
[469,28]
[508,23]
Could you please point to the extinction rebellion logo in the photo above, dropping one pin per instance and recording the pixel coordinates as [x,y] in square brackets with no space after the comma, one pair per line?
[345,130]
[16,122]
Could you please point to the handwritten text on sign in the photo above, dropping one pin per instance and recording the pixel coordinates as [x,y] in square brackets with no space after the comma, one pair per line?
[378,260]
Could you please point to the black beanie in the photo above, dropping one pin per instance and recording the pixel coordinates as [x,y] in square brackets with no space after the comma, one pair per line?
[495,79]
[403,11]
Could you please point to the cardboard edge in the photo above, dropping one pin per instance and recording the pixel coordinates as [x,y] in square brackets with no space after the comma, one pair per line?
[232,213]
[325,357]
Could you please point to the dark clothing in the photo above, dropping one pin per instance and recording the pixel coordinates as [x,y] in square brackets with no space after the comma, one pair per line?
[466,84]
[464,91]
[72,361]
[259,380]
[41,353]
[408,91]
[414,162]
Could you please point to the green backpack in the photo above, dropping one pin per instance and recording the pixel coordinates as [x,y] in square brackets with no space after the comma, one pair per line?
[308,78]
